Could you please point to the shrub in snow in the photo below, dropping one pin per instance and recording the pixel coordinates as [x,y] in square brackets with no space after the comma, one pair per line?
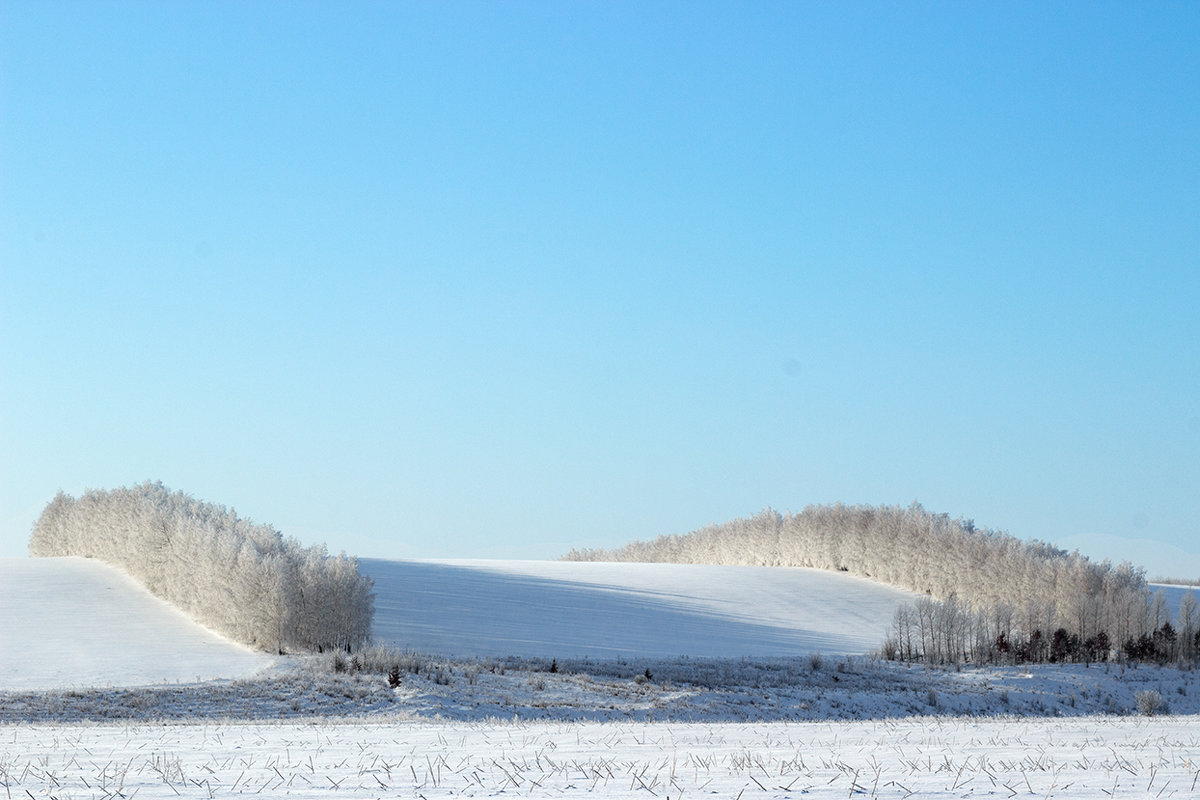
[1150,703]
[244,580]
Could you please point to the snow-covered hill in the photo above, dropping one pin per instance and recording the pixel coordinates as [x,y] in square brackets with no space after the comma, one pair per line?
[1173,595]
[77,622]
[73,622]
[607,610]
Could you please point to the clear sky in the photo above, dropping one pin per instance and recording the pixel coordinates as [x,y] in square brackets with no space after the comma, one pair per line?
[500,279]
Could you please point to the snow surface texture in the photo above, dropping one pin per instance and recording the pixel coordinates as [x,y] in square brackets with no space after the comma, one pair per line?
[77,622]
[926,758]
[565,609]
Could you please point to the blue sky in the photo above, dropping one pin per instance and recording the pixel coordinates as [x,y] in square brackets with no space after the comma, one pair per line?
[496,280]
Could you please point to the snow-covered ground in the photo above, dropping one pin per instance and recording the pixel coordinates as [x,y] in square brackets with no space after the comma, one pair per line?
[77,622]
[603,610]
[598,680]
[565,641]
[926,758]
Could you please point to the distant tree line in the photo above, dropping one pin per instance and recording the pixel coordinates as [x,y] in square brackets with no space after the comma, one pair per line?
[946,631]
[989,596]
[243,580]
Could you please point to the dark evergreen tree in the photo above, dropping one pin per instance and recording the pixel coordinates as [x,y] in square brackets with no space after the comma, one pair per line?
[1096,647]
[1164,643]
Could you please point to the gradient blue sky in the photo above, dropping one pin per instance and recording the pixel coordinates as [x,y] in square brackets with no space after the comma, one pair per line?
[496,280]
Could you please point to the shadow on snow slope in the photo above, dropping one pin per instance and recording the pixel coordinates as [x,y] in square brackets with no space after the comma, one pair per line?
[566,610]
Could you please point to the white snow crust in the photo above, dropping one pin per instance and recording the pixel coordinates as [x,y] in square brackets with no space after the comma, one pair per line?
[478,608]
[77,622]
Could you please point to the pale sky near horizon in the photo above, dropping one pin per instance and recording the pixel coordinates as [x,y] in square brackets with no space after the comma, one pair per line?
[501,279]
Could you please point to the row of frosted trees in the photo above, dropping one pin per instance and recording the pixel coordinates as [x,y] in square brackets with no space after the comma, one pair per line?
[948,632]
[243,580]
[997,590]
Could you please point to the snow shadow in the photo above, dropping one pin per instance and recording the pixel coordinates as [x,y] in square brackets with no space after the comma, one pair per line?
[472,611]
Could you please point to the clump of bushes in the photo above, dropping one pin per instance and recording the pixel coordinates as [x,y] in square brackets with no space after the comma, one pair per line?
[1150,703]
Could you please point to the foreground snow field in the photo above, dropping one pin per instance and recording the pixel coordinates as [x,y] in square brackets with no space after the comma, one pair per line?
[563,609]
[77,622]
[929,758]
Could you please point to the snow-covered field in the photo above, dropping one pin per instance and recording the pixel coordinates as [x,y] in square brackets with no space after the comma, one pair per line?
[572,609]
[926,758]
[77,622]
[558,679]
[480,640]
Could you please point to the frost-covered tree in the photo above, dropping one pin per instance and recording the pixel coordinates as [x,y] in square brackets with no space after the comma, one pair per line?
[244,580]
[1187,628]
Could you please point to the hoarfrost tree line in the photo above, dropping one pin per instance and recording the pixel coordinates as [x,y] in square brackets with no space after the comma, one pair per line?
[244,580]
[990,597]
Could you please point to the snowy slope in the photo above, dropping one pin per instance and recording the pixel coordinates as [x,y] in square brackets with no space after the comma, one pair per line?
[75,622]
[72,622]
[1173,594]
[605,610]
